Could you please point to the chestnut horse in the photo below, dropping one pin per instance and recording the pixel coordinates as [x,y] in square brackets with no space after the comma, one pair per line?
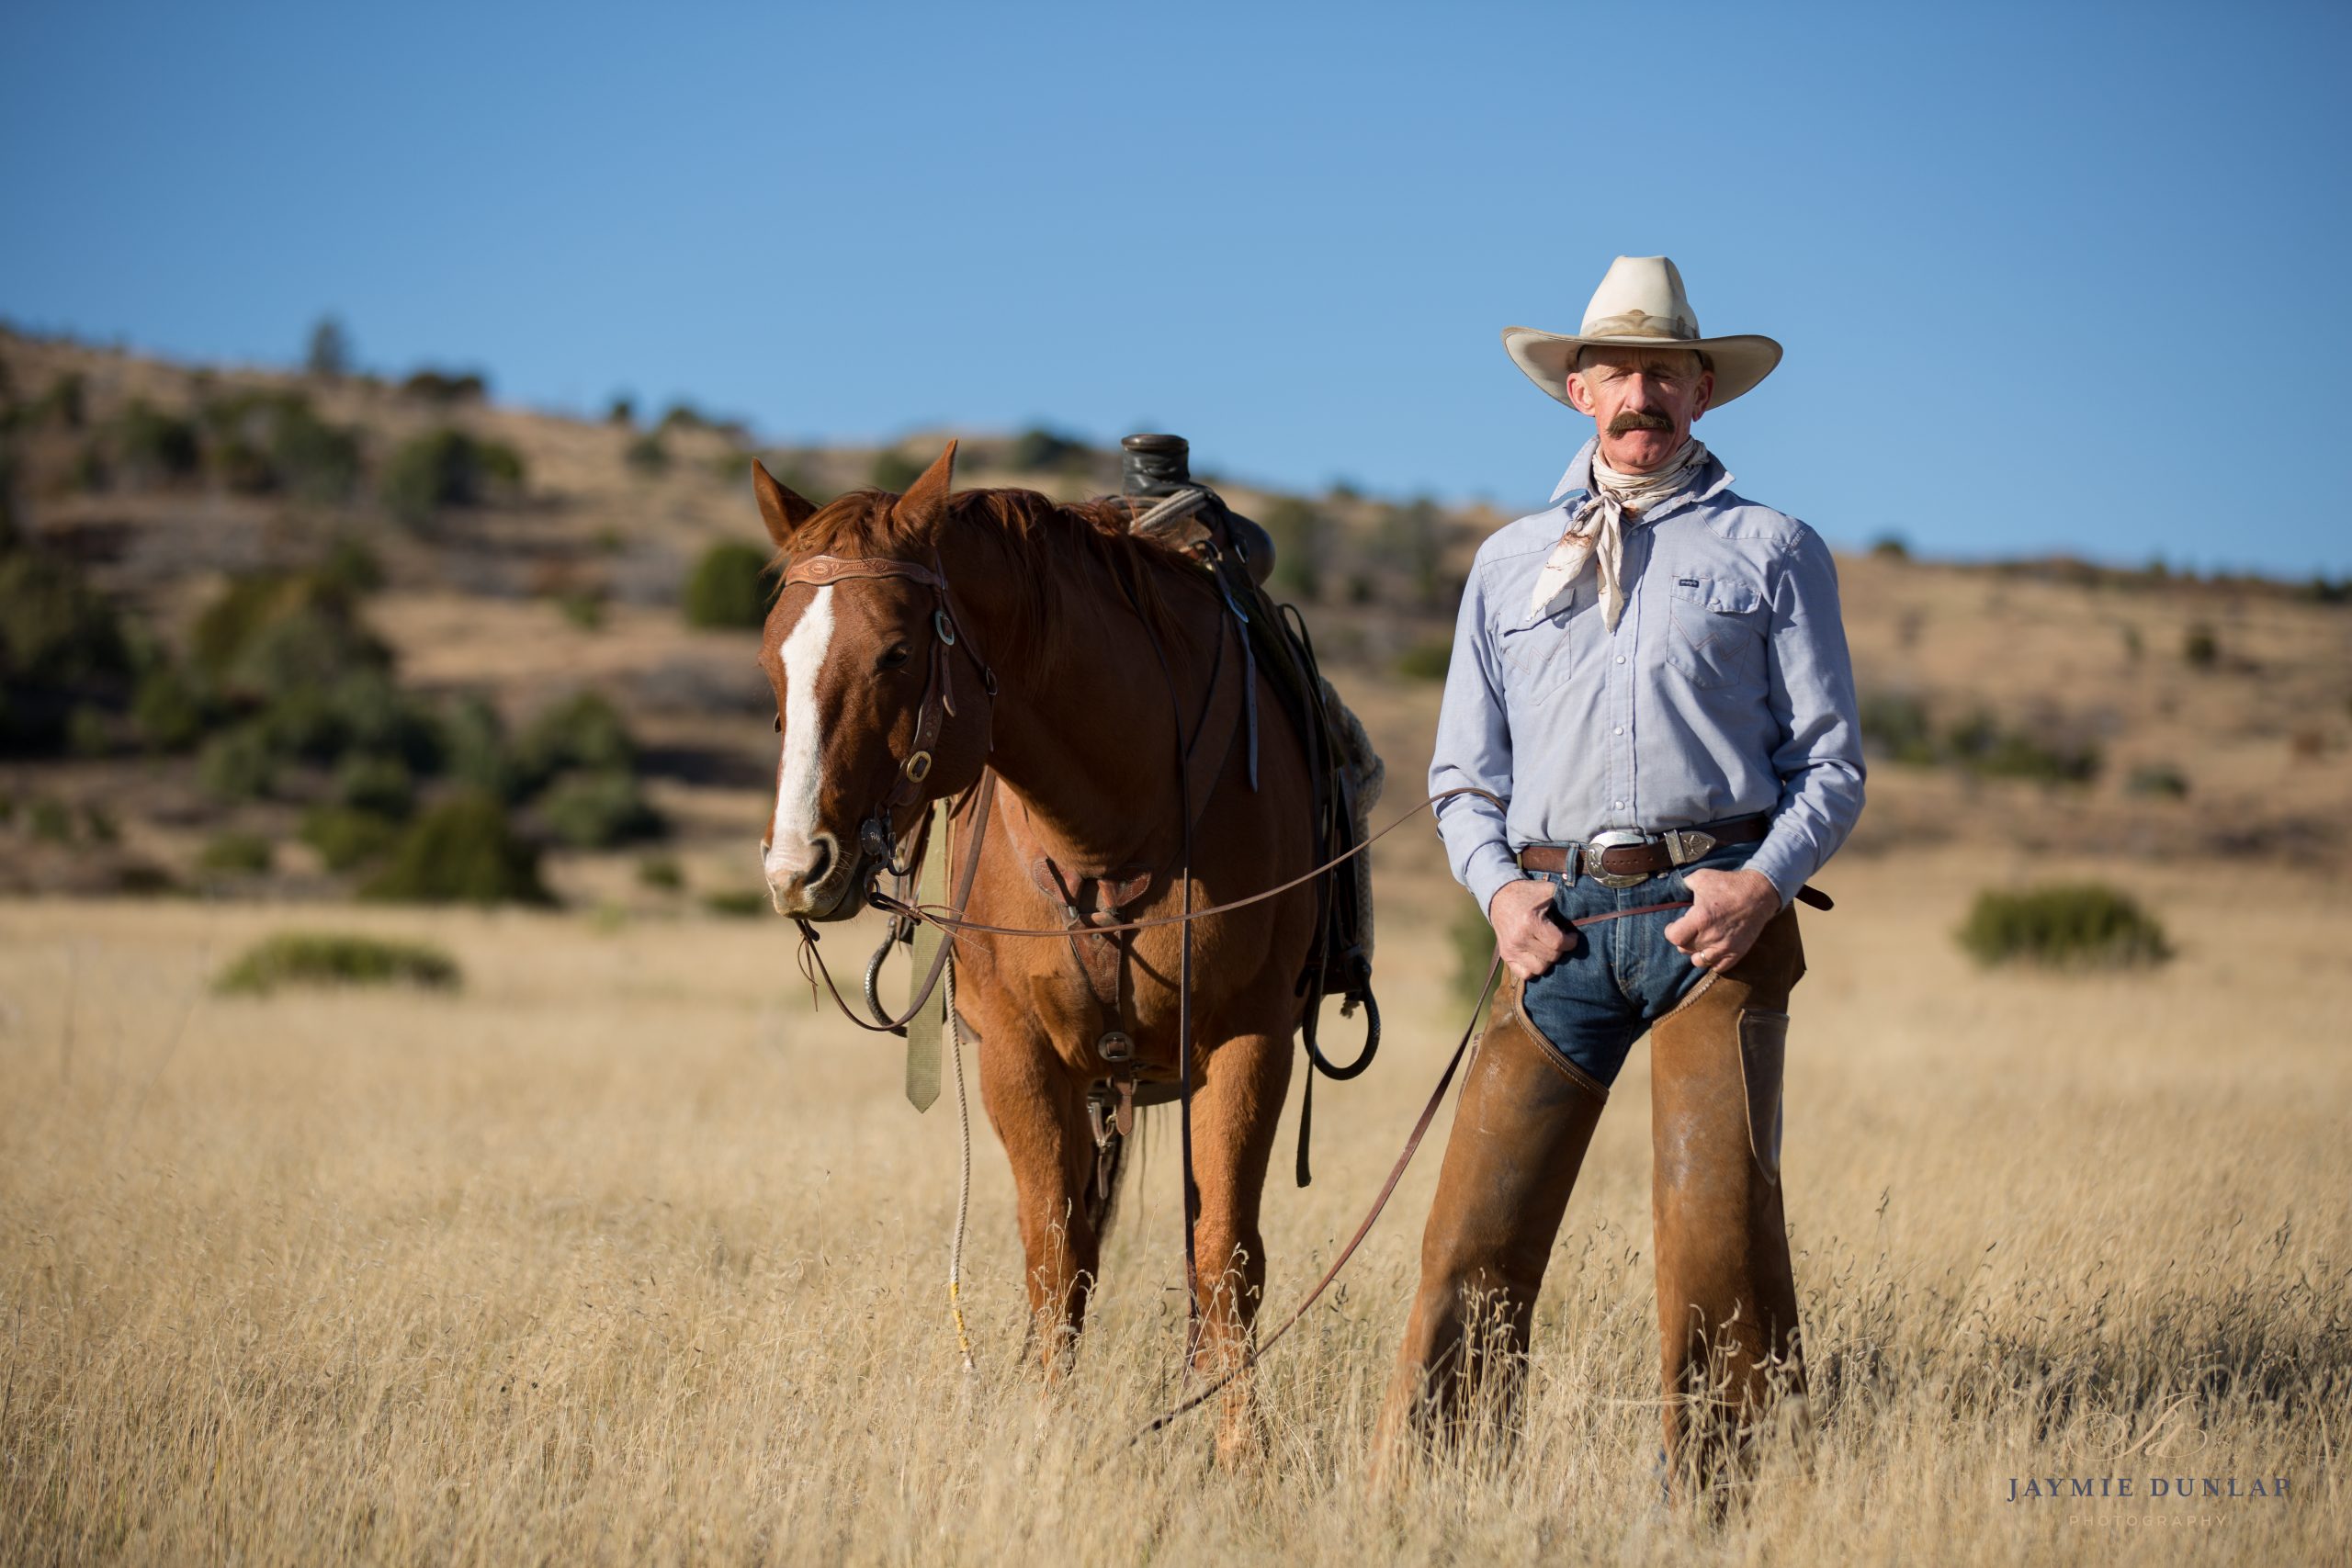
[1090,661]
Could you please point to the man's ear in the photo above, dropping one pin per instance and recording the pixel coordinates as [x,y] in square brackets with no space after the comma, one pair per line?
[1706,396]
[928,495]
[780,509]
[1579,395]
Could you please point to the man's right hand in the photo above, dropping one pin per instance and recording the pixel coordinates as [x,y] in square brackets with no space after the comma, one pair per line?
[1529,940]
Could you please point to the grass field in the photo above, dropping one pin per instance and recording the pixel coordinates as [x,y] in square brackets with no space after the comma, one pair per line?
[621,1254]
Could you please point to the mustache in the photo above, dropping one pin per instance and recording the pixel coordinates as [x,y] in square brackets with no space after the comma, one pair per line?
[1633,419]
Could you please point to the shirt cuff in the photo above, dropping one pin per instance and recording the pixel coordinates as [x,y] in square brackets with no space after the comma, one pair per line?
[1784,860]
[1491,869]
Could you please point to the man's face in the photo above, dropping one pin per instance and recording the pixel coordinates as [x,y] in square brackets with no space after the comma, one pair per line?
[1642,401]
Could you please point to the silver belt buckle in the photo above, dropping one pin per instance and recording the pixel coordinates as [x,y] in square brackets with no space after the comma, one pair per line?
[1589,859]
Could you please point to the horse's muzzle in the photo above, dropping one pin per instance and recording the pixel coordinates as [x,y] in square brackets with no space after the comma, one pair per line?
[813,880]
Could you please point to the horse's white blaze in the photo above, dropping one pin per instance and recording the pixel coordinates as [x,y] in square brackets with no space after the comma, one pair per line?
[798,774]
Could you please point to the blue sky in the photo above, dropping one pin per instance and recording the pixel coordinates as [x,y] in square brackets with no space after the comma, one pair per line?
[2050,277]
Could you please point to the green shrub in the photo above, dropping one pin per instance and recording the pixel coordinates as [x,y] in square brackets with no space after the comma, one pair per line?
[51,821]
[729,588]
[1895,726]
[1298,531]
[584,608]
[55,629]
[168,710]
[447,468]
[647,455]
[1473,940]
[582,732]
[1427,659]
[1038,450]
[376,784]
[738,903]
[319,958]
[351,570]
[238,853]
[1981,745]
[661,872]
[894,470]
[153,447]
[272,632]
[446,386]
[2158,779]
[478,755]
[2200,647]
[1891,547]
[462,851]
[259,441]
[597,810]
[89,731]
[100,823]
[238,764]
[65,404]
[2069,926]
[346,838]
[313,459]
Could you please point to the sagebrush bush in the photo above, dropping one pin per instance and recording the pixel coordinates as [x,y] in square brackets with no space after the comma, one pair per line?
[1427,659]
[346,837]
[894,471]
[447,468]
[729,588]
[594,810]
[169,710]
[153,447]
[1472,942]
[463,850]
[2079,925]
[232,850]
[1040,450]
[322,958]
[1298,531]
[581,732]
[377,783]
[238,764]
[647,455]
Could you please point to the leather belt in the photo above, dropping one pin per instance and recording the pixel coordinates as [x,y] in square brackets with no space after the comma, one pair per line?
[1625,856]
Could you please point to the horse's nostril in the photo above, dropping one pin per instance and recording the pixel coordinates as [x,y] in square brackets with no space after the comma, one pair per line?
[819,862]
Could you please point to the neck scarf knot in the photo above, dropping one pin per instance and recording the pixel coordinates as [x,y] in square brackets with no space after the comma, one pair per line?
[1596,531]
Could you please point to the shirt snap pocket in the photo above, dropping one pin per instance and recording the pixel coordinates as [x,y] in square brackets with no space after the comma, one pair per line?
[1540,653]
[1717,626]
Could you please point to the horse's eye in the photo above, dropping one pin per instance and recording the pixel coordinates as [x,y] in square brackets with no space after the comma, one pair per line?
[895,658]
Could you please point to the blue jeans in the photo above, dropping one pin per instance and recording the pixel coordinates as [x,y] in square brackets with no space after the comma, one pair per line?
[1624,976]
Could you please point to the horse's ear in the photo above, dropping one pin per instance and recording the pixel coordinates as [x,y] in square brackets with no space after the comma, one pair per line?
[780,509]
[926,496]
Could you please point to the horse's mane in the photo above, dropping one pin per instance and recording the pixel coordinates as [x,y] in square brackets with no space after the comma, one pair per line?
[1042,539]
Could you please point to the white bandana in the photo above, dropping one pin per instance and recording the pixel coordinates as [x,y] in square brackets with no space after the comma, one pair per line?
[1595,530]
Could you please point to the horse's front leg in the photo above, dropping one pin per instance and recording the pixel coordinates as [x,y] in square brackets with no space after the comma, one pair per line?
[1234,1110]
[1039,1114]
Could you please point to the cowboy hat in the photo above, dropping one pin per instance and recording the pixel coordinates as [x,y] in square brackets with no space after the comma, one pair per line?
[1641,305]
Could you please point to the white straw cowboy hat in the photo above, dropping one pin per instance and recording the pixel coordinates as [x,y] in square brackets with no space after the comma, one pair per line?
[1641,305]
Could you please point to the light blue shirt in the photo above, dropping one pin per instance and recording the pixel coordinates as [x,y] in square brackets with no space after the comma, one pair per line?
[1725,689]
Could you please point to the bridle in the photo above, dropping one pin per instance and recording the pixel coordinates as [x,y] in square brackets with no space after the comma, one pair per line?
[877,836]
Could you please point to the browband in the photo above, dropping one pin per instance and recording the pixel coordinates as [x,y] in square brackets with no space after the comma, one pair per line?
[835,568]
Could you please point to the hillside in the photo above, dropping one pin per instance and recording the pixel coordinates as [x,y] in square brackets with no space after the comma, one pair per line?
[460,550]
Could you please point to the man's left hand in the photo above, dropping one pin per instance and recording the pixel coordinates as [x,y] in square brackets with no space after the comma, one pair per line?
[1729,912]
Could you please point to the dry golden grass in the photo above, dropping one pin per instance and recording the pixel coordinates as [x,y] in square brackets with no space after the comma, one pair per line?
[621,1255]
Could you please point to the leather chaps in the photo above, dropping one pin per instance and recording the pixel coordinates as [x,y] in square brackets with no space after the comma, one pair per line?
[1727,1311]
